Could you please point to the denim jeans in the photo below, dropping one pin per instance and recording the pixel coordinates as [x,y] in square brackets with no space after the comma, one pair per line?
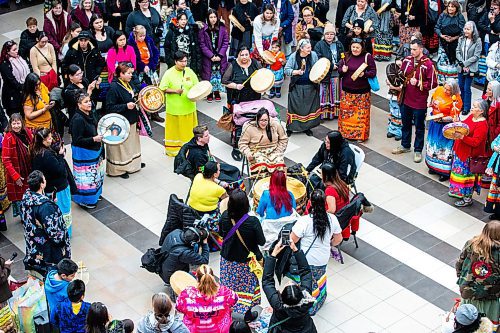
[408,115]
[465,81]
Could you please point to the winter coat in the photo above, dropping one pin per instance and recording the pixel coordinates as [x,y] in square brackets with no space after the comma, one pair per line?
[12,164]
[208,52]
[125,9]
[320,9]
[486,27]
[253,137]
[286,18]
[55,291]
[5,292]
[83,129]
[369,14]
[117,99]
[153,25]
[91,64]
[180,255]
[493,120]
[173,40]
[179,215]
[447,21]
[196,156]
[345,162]
[149,324]
[300,320]
[199,11]
[322,49]
[207,314]
[240,12]
[45,234]
[342,7]
[26,42]
[67,321]
[49,27]
[78,15]
[154,53]
[12,90]
[54,169]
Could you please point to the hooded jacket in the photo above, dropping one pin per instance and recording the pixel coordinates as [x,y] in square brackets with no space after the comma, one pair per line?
[190,158]
[187,37]
[45,233]
[344,163]
[91,63]
[55,290]
[49,27]
[154,53]
[148,324]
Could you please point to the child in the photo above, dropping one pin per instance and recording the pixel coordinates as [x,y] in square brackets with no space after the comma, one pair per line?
[28,38]
[70,315]
[57,282]
[357,32]
[278,69]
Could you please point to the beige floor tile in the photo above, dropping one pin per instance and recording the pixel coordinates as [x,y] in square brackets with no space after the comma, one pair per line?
[337,312]
[353,299]
[384,314]
[360,324]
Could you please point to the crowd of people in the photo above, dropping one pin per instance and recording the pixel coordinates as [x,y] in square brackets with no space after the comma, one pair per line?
[92,59]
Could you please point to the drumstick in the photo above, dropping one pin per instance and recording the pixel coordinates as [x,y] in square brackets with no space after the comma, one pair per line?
[183,72]
[251,75]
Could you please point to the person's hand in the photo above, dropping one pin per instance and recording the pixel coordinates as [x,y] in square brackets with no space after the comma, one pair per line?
[345,68]
[91,87]
[223,184]
[299,72]
[397,15]
[62,150]
[146,69]
[239,86]
[116,14]
[348,25]
[489,171]
[249,157]
[411,17]
[179,91]
[205,241]
[277,249]
[8,262]
[466,69]
[361,74]
[130,105]
[335,67]
[214,58]
[458,136]
[491,17]
[19,182]
[399,62]
[97,138]
[293,246]
[413,81]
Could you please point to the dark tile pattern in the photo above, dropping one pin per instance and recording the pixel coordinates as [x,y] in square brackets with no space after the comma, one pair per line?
[7,248]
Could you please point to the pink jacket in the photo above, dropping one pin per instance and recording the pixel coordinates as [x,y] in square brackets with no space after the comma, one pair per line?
[114,58]
[204,314]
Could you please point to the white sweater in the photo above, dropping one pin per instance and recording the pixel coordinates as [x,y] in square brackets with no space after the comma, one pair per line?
[265,30]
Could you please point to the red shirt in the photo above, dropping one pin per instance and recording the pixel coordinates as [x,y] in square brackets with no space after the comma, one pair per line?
[474,144]
[330,191]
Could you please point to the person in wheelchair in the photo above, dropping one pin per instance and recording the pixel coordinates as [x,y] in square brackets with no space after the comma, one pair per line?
[196,153]
[336,151]
[263,142]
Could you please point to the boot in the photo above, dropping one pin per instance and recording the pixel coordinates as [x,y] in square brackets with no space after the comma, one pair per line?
[156,117]
[217,96]
[278,92]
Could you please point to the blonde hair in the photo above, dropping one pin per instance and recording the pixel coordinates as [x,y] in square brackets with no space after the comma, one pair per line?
[483,243]
[206,281]
[138,29]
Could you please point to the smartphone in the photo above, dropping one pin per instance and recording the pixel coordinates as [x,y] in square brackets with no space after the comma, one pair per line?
[96,78]
[285,237]
[14,255]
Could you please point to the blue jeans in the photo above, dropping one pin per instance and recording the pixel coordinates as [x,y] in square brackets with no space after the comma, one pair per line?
[465,81]
[408,115]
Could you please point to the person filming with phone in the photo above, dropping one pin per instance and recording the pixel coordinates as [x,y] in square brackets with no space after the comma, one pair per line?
[36,103]
[317,232]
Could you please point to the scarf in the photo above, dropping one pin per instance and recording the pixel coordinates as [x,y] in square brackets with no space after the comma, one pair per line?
[22,152]
[60,26]
[20,68]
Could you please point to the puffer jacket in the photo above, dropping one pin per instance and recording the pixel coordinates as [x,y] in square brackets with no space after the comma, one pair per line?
[179,215]
[149,324]
[344,162]
[91,64]
[45,233]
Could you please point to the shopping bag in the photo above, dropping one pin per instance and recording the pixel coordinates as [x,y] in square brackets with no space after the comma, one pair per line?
[30,305]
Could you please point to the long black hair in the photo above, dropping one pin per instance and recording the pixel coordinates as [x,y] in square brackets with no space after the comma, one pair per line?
[336,141]
[259,115]
[118,34]
[238,205]
[29,88]
[321,221]
[97,318]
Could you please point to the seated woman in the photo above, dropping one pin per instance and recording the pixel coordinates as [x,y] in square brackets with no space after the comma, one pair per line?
[207,300]
[263,142]
[205,195]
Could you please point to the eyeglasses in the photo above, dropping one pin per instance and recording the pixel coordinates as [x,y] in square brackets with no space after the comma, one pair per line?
[356,40]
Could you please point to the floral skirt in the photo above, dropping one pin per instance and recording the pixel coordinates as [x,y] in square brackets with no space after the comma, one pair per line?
[382,47]
[216,81]
[4,200]
[405,33]
[237,277]
[438,150]
[463,183]
[266,161]
[329,98]
[354,118]
[394,126]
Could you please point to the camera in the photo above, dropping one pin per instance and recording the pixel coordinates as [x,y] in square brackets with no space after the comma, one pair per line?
[202,223]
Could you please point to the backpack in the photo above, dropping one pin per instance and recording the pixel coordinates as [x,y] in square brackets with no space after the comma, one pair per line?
[182,165]
[152,260]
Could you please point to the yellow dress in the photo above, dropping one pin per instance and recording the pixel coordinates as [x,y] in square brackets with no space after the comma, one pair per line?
[181,114]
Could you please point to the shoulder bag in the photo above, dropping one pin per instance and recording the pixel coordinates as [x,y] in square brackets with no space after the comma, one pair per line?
[373,81]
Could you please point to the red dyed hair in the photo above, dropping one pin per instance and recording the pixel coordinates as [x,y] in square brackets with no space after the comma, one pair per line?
[7,46]
[279,193]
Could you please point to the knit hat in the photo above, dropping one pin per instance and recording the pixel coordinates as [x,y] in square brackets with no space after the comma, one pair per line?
[329,28]
[359,23]
[466,314]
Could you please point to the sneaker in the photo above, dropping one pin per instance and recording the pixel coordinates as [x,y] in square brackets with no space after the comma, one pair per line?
[125,176]
[143,165]
[217,96]
[400,150]
[288,133]
[397,138]
[417,158]
[270,94]
[390,135]
[87,206]
[463,203]
[210,99]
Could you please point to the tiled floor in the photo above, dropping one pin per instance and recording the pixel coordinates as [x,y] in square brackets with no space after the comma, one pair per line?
[400,279]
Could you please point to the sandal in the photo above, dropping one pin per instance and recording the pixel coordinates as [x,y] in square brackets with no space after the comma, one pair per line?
[463,203]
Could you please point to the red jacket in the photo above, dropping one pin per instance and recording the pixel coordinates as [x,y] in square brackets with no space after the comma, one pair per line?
[474,144]
[12,167]
[494,121]
[49,27]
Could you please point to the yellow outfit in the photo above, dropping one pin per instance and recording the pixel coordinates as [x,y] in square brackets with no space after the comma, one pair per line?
[181,114]
[205,194]
[43,120]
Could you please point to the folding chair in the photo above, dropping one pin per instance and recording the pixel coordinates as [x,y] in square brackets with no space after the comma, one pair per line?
[359,158]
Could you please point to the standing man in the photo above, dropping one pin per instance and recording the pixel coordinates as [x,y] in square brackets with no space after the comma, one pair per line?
[420,78]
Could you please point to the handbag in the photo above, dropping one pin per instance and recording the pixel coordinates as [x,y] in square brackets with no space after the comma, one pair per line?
[226,120]
[477,165]
[373,81]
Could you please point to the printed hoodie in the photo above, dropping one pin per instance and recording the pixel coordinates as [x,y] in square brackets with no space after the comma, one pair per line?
[148,324]
[56,292]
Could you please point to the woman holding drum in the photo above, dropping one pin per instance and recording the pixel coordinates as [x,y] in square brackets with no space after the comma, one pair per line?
[87,154]
[263,141]
[463,182]
[214,42]
[244,12]
[181,115]
[124,158]
[446,105]
[265,29]
[355,102]
[329,88]
[303,99]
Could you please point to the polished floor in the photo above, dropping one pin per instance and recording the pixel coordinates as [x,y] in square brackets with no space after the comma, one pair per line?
[400,279]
